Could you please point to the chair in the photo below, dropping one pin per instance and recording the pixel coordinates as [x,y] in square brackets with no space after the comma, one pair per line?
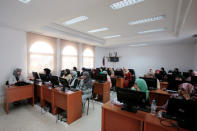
[88,97]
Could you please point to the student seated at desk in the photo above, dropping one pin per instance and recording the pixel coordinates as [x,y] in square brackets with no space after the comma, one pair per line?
[150,74]
[74,81]
[185,91]
[140,85]
[128,78]
[108,78]
[85,86]
[48,74]
[17,77]
[67,75]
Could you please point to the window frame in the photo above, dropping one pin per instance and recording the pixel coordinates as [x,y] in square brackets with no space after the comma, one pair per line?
[63,44]
[92,48]
[32,39]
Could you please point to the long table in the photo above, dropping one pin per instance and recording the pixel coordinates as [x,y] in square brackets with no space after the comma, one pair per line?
[17,93]
[115,119]
[70,101]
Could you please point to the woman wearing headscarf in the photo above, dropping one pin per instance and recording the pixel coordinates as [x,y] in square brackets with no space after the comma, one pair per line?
[85,86]
[17,77]
[140,85]
[185,91]
[128,78]
[108,78]
[74,80]
[67,75]
[47,72]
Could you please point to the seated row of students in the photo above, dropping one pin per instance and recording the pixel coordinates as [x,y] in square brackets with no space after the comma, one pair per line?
[176,74]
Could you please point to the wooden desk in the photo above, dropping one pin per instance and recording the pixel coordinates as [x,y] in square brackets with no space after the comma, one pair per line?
[160,96]
[71,102]
[164,85]
[114,119]
[152,123]
[47,95]
[120,82]
[17,93]
[102,89]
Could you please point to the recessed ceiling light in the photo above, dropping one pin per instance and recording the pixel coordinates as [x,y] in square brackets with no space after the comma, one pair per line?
[124,3]
[24,1]
[138,45]
[151,31]
[75,20]
[113,36]
[98,30]
[157,18]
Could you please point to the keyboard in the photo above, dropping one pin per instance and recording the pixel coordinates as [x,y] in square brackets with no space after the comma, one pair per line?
[171,91]
[144,109]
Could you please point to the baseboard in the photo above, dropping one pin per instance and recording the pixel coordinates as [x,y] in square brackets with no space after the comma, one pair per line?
[2,99]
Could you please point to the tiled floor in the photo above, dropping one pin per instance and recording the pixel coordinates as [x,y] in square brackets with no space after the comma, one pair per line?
[28,118]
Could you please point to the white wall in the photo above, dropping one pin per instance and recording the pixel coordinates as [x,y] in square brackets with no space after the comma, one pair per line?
[169,56]
[12,53]
[195,56]
[99,53]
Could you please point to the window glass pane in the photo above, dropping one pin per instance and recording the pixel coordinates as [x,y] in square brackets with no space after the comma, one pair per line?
[39,62]
[41,47]
[88,62]
[88,52]
[68,62]
[69,50]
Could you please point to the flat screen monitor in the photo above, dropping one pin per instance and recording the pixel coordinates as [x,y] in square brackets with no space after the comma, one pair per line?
[65,83]
[101,77]
[35,75]
[194,79]
[54,81]
[119,73]
[43,77]
[131,98]
[151,83]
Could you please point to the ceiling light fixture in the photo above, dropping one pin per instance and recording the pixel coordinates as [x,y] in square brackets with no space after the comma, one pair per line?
[98,30]
[152,31]
[138,45]
[75,20]
[124,3]
[25,1]
[113,36]
[157,18]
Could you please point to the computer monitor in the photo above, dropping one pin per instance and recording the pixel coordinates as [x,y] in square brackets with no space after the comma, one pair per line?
[101,77]
[174,85]
[43,77]
[182,110]
[65,83]
[54,81]
[119,73]
[186,75]
[35,75]
[132,99]
[194,79]
[151,83]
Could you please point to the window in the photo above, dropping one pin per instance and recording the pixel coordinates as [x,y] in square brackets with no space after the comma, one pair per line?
[88,58]
[41,53]
[41,56]
[69,57]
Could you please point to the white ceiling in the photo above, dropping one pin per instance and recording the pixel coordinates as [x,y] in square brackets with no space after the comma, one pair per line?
[46,17]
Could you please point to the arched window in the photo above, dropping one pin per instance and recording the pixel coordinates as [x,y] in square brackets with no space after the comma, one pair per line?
[41,56]
[69,57]
[88,58]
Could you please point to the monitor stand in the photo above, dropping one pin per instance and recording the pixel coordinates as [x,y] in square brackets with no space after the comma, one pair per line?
[129,108]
